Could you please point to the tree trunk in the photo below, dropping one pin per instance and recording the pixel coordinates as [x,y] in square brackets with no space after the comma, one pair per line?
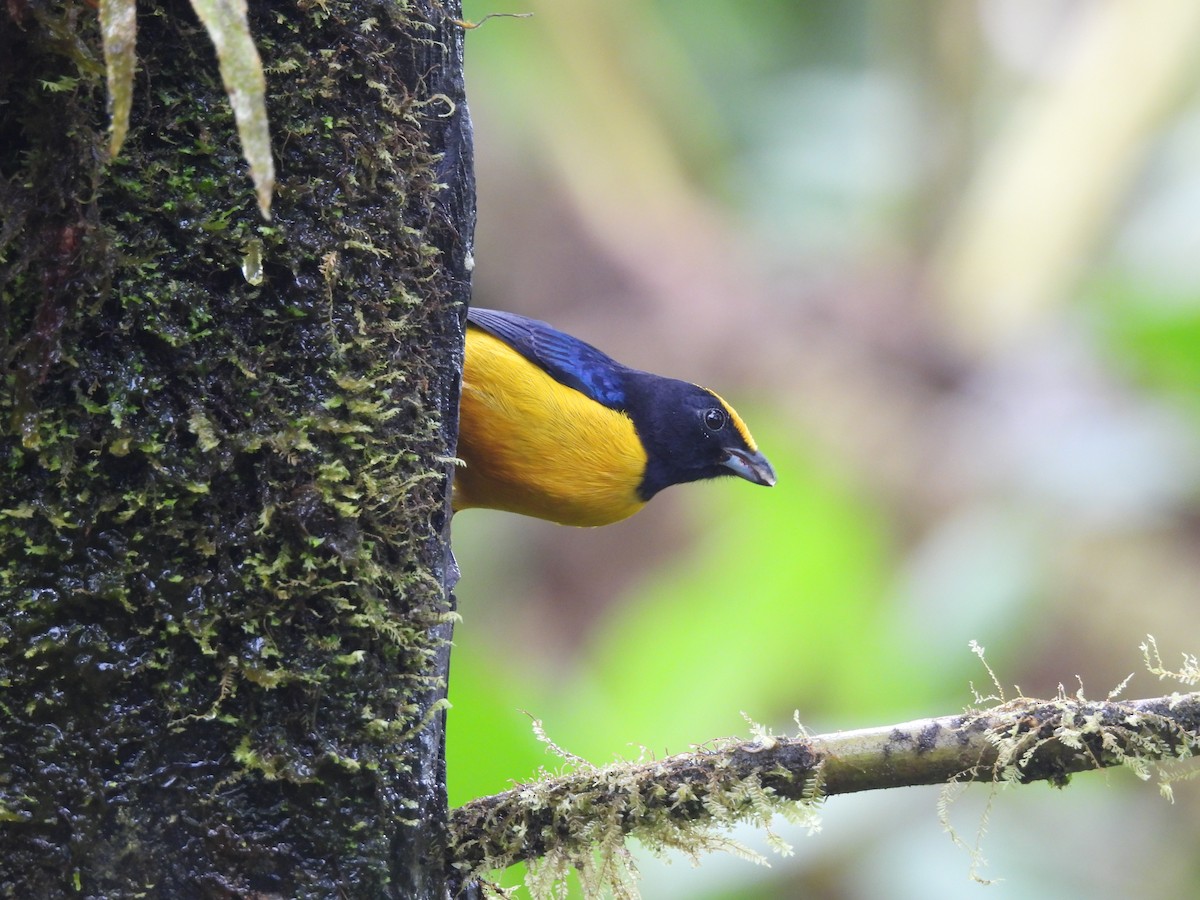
[224,610]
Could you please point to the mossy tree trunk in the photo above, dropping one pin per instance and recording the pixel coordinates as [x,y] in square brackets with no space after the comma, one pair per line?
[223,544]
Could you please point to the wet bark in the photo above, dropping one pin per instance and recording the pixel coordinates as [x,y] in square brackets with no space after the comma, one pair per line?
[224,559]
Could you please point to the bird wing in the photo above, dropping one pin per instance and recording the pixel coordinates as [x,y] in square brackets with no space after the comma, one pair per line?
[568,360]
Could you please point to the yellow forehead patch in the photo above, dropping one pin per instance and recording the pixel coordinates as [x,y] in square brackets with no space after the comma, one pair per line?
[737,421]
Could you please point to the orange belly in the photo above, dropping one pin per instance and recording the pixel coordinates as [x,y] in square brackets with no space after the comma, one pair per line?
[534,446]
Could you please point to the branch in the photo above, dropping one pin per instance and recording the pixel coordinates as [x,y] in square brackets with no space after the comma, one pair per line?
[582,818]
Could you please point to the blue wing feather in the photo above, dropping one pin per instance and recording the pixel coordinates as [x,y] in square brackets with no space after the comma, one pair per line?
[566,359]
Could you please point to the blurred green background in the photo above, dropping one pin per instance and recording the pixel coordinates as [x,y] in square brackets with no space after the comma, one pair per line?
[944,257]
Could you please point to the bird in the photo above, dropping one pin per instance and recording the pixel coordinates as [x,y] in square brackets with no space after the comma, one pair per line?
[553,428]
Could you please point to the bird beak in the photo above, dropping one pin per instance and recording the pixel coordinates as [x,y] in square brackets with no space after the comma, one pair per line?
[751,465]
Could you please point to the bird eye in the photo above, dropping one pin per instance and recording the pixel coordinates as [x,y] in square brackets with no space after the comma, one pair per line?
[714,419]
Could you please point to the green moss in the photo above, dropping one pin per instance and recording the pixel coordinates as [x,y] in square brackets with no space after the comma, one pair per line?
[578,822]
[220,548]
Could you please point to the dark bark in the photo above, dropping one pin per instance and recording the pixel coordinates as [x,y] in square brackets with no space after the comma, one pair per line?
[223,505]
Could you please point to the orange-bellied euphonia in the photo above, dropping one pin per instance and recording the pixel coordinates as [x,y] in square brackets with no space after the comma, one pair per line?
[551,427]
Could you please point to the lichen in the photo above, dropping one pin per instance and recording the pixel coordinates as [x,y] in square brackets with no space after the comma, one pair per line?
[1046,739]
[579,821]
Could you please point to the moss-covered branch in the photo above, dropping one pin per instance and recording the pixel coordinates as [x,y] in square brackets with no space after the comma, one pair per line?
[684,802]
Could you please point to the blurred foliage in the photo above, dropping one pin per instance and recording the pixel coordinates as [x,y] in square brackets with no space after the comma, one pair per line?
[1155,336]
[961,314]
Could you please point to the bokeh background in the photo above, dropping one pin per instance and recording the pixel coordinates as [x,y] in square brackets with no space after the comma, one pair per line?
[944,257]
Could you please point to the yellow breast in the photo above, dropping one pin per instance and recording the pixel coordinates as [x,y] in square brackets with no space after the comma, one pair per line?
[533,446]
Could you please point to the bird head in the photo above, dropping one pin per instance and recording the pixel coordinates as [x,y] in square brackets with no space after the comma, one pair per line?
[691,434]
